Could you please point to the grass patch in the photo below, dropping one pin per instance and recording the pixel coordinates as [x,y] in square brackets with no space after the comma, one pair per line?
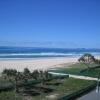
[73,69]
[77,69]
[67,87]
[10,96]
[92,72]
[5,85]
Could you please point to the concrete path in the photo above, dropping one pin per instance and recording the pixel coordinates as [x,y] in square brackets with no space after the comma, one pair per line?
[76,76]
[93,95]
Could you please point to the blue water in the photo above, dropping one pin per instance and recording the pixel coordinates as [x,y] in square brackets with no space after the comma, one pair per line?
[31,52]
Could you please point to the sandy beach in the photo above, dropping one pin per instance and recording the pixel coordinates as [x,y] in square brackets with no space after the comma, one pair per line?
[36,64]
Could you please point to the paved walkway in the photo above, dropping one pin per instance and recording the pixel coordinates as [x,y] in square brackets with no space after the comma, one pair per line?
[76,76]
[93,95]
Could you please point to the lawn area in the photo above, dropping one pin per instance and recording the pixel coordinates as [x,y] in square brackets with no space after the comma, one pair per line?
[92,73]
[67,87]
[77,69]
[73,69]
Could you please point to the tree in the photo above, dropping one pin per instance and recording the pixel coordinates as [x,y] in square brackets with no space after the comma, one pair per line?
[26,74]
[10,72]
[87,59]
[26,71]
[35,74]
[97,61]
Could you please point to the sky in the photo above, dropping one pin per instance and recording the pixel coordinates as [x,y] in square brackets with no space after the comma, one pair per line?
[50,23]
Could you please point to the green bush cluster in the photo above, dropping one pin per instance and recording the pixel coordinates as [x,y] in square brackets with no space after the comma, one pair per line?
[10,96]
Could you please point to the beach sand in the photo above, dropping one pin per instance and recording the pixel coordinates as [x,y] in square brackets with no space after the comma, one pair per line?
[36,64]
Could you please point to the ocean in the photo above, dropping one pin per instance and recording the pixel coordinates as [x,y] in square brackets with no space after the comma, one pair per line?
[36,52]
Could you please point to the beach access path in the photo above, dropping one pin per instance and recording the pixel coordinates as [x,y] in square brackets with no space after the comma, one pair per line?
[76,76]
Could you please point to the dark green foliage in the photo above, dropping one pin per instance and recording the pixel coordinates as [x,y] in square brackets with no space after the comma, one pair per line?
[10,96]
[87,59]
[10,72]
[35,74]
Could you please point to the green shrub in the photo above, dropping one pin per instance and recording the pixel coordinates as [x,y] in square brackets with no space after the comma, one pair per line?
[9,96]
[5,85]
